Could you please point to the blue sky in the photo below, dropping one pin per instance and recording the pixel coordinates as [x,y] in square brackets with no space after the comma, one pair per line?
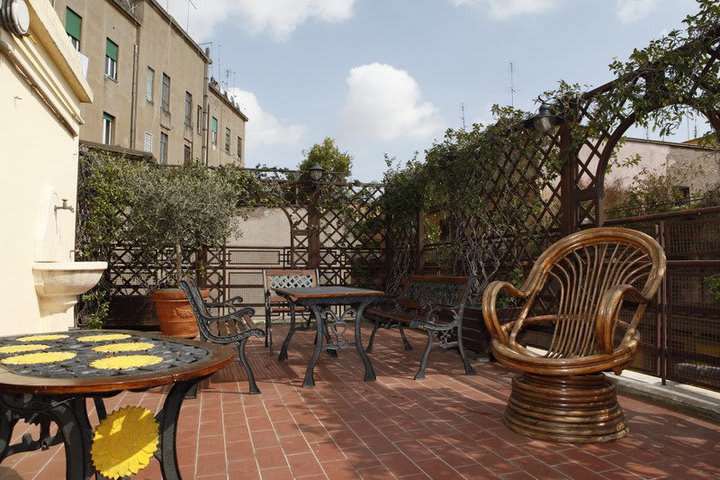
[390,76]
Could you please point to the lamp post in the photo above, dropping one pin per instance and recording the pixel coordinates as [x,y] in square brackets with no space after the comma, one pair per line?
[544,120]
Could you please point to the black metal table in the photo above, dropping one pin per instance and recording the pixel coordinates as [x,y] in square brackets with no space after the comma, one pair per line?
[329,325]
[41,393]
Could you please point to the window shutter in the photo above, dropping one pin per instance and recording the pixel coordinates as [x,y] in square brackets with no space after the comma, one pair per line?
[72,24]
[111,50]
[148,142]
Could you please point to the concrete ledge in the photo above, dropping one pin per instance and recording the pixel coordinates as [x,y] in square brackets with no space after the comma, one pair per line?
[696,400]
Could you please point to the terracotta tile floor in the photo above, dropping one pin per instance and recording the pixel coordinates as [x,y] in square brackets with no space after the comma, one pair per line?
[447,426]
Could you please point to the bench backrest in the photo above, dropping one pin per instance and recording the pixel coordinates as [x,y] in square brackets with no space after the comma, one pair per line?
[287,278]
[421,290]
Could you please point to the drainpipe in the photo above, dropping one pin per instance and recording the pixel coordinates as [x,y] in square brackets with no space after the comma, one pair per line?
[133,101]
[206,105]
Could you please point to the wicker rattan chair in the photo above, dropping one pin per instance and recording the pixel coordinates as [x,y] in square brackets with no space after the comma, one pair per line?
[225,329]
[562,394]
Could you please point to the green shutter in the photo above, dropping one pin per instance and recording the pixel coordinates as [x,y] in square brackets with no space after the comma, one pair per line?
[111,50]
[73,23]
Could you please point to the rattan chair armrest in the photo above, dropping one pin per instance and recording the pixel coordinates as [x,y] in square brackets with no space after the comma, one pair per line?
[489,301]
[609,307]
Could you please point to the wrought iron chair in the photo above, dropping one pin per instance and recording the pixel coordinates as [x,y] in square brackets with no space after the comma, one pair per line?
[234,327]
[562,394]
[285,278]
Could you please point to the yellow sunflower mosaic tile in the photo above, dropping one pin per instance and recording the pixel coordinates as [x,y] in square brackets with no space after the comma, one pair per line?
[37,358]
[31,347]
[123,347]
[126,361]
[106,337]
[42,338]
[124,442]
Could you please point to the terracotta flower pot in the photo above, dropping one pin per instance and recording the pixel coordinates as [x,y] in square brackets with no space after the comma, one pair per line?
[174,312]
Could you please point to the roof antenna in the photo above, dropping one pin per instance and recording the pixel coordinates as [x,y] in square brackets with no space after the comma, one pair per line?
[187,22]
[512,85]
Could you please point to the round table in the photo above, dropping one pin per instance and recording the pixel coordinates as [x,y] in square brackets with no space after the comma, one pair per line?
[57,392]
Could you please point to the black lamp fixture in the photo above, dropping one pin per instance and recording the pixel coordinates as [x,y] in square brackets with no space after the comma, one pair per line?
[544,120]
[316,172]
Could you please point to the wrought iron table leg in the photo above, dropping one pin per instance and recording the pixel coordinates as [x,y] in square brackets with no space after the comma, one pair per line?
[167,418]
[406,344]
[372,337]
[309,381]
[469,370]
[76,439]
[369,371]
[286,343]
[7,424]
[421,372]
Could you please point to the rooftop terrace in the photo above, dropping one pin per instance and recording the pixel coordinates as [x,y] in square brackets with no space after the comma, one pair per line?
[448,426]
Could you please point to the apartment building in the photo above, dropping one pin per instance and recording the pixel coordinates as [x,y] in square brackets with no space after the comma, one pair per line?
[153,92]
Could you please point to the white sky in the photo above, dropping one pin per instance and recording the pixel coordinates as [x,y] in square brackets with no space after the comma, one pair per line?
[390,76]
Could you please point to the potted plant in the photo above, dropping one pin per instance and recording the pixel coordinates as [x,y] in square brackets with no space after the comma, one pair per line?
[178,212]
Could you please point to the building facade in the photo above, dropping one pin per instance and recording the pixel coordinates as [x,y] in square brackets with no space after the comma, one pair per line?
[152,84]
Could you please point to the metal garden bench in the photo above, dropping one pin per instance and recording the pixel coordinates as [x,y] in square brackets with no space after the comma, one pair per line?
[433,303]
[234,327]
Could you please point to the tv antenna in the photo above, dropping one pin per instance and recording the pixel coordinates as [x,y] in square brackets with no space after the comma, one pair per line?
[187,21]
[512,84]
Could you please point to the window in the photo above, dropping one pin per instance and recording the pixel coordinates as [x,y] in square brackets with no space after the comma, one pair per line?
[239,147]
[187,154]
[213,130]
[199,119]
[166,93]
[188,109]
[227,140]
[111,58]
[148,144]
[163,148]
[108,129]
[73,27]
[150,85]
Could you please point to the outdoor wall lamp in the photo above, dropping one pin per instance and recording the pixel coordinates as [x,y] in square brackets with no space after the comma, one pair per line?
[316,172]
[15,17]
[544,120]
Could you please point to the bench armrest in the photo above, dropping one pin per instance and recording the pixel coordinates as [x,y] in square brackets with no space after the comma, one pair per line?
[233,302]
[236,315]
[426,320]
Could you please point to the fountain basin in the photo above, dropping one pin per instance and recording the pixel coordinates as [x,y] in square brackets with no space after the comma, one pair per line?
[58,284]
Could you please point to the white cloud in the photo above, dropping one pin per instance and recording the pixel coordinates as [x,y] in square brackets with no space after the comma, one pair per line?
[384,103]
[629,11]
[279,18]
[263,128]
[502,9]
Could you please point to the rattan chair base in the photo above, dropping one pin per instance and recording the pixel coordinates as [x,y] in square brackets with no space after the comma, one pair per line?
[577,409]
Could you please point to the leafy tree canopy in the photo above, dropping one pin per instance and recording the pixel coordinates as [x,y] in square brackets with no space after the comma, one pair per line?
[329,157]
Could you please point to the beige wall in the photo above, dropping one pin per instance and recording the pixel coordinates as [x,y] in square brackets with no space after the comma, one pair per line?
[102,20]
[228,116]
[164,48]
[39,153]
[660,156]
